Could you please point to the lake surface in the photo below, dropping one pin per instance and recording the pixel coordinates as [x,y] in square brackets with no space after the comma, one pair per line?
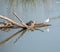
[36,10]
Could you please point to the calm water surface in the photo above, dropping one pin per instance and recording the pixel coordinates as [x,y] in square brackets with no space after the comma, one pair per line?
[37,10]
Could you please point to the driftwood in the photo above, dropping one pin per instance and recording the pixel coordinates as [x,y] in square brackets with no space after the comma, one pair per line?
[32,25]
[12,24]
[9,20]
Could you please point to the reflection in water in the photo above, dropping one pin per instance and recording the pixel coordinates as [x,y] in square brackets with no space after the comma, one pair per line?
[36,10]
[32,25]
[29,8]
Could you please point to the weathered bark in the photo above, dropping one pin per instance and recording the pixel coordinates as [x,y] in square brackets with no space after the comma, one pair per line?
[9,20]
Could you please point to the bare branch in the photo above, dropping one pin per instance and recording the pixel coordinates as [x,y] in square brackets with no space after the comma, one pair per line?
[17,17]
[11,21]
[20,20]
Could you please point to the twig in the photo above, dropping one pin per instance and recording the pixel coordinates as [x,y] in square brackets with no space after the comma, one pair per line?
[17,17]
[20,20]
[9,20]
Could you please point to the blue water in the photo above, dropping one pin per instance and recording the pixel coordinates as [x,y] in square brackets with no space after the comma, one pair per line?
[37,10]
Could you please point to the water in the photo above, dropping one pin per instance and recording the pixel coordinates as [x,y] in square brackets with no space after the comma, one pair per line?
[37,10]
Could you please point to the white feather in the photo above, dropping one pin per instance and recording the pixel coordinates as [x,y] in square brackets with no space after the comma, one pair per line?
[47,20]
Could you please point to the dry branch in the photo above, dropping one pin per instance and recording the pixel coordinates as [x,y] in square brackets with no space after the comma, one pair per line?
[9,20]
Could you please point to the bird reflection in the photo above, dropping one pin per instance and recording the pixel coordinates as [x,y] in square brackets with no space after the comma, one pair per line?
[31,25]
